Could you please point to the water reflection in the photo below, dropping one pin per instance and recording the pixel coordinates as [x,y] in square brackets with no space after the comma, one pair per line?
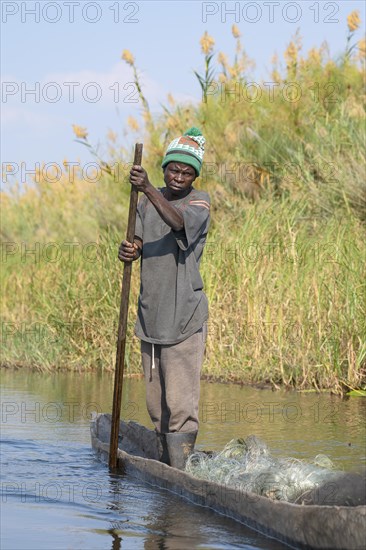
[116,540]
[292,424]
[168,522]
[46,448]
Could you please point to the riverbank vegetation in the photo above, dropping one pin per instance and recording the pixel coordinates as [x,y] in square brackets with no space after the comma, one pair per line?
[284,262]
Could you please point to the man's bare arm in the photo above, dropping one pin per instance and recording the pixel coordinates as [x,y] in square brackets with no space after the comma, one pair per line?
[170,215]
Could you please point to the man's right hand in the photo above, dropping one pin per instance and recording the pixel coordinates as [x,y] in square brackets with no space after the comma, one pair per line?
[128,252]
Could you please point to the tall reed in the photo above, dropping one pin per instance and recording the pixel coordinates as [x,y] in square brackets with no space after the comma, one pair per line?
[284,262]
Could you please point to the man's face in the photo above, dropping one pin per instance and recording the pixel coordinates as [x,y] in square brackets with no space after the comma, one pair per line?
[179,177]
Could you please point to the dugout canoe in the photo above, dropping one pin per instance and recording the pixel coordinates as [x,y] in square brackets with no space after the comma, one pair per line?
[298,526]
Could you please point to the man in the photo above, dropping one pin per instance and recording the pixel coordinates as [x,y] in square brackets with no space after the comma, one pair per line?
[170,235]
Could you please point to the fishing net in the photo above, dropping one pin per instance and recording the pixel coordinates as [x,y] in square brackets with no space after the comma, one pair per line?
[248,464]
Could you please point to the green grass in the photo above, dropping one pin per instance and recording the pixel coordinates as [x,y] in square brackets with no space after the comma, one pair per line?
[284,262]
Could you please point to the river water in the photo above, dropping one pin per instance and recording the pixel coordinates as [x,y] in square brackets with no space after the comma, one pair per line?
[57,495]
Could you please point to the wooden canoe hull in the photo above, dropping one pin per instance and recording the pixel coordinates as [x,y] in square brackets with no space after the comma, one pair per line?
[299,526]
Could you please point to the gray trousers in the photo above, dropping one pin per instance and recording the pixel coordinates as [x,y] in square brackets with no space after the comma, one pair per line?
[172,379]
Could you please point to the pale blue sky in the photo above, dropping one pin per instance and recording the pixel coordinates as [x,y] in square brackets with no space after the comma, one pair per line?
[165,42]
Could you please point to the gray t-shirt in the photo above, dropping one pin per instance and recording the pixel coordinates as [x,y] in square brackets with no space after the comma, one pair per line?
[172,305]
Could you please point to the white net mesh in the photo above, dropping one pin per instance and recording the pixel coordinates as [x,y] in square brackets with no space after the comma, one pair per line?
[249,464]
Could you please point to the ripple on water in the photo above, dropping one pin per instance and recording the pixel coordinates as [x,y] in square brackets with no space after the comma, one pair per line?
[57,495]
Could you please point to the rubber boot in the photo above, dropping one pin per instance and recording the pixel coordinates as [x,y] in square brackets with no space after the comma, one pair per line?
[163,455]
[180,446]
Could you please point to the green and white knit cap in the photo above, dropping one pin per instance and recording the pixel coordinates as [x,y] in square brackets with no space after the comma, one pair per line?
[188,148]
